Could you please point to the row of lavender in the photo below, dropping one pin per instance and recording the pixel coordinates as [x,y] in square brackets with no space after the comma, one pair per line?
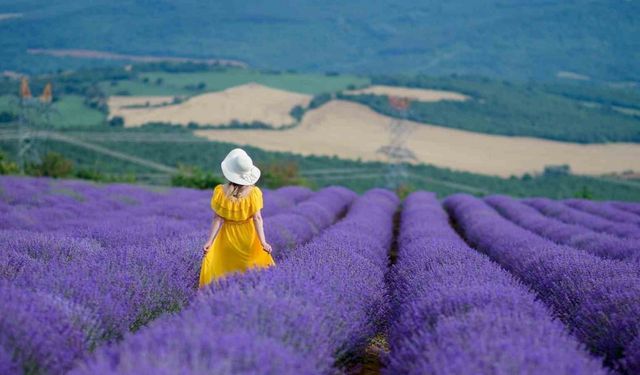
[622,212]
[579,236]
[324,300]
[457,312]
[450,271]
[100,261]
[593,286]
[570,214]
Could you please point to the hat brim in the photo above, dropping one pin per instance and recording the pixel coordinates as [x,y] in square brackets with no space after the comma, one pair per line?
[249,179]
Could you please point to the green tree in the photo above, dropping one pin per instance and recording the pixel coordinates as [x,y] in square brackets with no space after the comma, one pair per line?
[7,166]
[194,177]
[116,121]
[584,193]
[283,173]
[319,100]
[297,112]
[6,116]
[52,164]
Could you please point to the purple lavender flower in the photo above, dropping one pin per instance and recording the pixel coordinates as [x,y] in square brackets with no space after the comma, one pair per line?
[627,206]
[570,215]
[7,364]
[598,299]
[324,300]
[604,210]
[44,332]
[456,312]
[121,254]
[579,237]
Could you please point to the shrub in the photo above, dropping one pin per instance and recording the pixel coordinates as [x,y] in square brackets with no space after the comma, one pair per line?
[116,121]
[7,166]
[52,164]
[195,177]
[281,174]
[6,116]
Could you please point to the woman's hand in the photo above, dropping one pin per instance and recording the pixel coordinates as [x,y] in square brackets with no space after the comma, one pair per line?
[266,247]
[205,248]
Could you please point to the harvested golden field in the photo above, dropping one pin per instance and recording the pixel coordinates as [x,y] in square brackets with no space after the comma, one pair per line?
[422,95]
[245,103]
[351,130]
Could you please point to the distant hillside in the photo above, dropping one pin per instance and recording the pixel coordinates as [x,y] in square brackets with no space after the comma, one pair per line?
[209,96]
[510,39]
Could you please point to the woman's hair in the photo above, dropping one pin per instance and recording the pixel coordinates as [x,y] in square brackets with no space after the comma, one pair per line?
[236,189]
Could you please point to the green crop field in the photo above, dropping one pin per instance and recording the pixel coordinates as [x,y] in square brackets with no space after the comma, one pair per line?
[68,111]
[173,147]
[220,80]
[71,112]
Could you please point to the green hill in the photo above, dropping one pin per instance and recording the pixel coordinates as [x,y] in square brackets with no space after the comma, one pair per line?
[510,39]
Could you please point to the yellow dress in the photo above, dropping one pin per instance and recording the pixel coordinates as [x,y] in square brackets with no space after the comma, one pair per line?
[237,247]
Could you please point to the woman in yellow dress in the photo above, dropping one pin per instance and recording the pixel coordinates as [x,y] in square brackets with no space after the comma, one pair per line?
[236,242]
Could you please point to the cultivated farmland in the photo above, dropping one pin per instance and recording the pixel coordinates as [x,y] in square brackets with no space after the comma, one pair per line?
[103,279]
[353,131]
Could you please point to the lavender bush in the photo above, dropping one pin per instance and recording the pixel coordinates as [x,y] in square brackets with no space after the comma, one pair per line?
[570,215]
[627,206]
[84,265]
[324,300]
[579,237]
[121,254]
[7,364]
[605,210]
[598,299]
[456,312]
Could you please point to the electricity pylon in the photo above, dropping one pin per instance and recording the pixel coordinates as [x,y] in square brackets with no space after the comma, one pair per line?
[396,151]
[32,110]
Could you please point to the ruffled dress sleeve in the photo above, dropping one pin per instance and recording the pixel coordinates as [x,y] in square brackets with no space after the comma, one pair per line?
[236,209]
[256,200]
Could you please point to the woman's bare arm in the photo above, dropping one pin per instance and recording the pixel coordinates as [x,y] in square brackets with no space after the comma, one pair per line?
[216,224]
[257,219]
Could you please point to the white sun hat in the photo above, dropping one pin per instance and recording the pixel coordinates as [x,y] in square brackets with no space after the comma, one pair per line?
[238,168]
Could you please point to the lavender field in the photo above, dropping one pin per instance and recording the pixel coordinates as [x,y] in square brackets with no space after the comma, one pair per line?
[102,279]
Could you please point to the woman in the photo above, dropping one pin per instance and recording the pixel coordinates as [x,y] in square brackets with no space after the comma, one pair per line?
[236,242]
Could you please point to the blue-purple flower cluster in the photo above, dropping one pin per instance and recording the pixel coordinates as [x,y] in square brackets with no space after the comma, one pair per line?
[605,210]
[457,312]
[106,260]
[600,244]
[324,300]
[627,206]
[570,215]
[299,224]
[284,198]
[598,299]
[82,265]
